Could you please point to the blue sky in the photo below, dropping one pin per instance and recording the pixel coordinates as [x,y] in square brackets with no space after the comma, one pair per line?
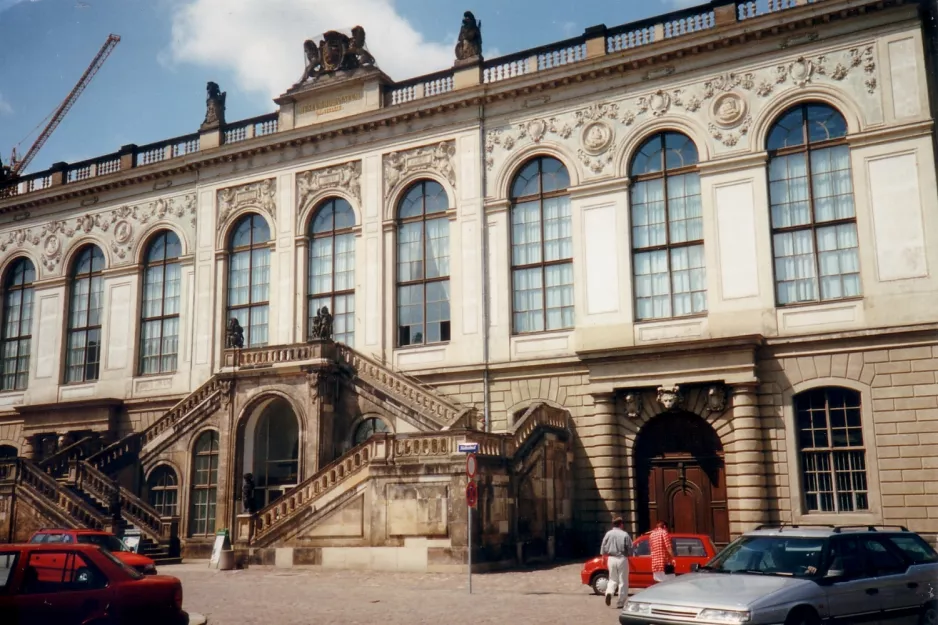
[153,85]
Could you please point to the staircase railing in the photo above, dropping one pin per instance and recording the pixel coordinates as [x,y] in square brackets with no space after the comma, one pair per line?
[59,496]
[56,465]
[538,416]
[133,509]
[443,411]
[375,449]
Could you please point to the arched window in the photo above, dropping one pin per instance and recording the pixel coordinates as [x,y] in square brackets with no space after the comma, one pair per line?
[163,490]
[833,456]
[276,452]
[84,319]
[667,229]
[204,485]
[17,323]
[8,452]
[814,224]
[541,248]
[332,267]
[249,278]
[159,331]
[368,428]
[423,265]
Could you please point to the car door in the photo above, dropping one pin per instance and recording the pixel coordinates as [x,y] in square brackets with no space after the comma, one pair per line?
[8,560]
[688,550]
[898,596]
[640,564]
[852,592]
[921,580]
[62,588]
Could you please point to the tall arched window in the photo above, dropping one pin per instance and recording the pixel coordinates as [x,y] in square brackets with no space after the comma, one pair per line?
[159,331]
[17,323]
[163,490]
[814,224]
[423,265]
[276,452]
[249,278]
[833,456]
[368,428]
[84,319]
[332,267]
[541,248]
[667,229]
[204,485]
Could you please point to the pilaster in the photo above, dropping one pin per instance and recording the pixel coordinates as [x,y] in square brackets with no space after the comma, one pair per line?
[745,462]
[598,484]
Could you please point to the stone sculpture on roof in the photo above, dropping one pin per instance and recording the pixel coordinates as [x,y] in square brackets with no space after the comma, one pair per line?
[214,107]
[336,52]
[469,44]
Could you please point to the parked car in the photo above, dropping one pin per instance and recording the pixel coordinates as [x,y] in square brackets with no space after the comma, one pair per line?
[802,576]
[689,549]
[81,584]
[105,540]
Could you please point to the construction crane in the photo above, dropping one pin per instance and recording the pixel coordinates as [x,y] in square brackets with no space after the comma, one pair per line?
[18,165]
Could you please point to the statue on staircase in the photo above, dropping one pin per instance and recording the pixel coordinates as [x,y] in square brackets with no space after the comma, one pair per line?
[247,494]
[234,335]
[322,325]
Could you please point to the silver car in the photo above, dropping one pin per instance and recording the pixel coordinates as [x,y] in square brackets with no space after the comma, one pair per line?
[802,576]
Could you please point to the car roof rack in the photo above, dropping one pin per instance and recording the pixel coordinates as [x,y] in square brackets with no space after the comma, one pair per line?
[781,526]
[870,528]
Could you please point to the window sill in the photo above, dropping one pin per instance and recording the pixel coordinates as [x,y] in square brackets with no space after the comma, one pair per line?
[818,303]
[524,335]
[418,346]
[702,315]
[838,518]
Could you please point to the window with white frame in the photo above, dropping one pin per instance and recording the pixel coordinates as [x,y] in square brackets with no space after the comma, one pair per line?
[423,265]
[832,453]
[17,323]
[332,268]
[249,278]
[86,303]
[541,248]
[159,328]
[814,224]
[667,229]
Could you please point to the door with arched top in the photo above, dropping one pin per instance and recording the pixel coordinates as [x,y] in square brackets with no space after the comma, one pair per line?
[681,476]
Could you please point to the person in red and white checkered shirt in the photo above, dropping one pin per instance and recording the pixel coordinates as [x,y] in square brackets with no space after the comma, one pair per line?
[661,552]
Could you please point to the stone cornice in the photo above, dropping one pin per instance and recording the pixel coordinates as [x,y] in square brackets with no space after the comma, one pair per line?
[735,163]
[891,133]
[646,57]
[599,187]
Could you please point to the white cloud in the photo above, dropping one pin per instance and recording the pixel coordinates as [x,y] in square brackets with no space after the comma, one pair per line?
[5,108]
[262,42]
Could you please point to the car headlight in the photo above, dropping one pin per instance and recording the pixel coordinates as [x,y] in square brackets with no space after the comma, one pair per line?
[634,607]
[723,616]
[149,569]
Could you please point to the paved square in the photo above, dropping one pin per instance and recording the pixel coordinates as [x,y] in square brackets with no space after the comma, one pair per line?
[314,595]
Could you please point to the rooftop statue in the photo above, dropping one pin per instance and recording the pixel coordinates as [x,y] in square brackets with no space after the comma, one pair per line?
[336,52]
[469,44]
[214,107]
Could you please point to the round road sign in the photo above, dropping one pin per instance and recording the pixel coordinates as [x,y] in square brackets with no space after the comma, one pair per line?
[472,494]
[472,465]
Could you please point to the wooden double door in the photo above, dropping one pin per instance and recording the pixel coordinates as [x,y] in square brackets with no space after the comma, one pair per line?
[681,477]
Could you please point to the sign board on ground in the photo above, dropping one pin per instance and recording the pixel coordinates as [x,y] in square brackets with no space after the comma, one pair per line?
[221,542]
[472,466]
[131,540]
[472,494]
[468,448]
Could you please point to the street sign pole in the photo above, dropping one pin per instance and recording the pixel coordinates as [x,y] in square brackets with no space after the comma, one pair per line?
[469,512]
[472,495]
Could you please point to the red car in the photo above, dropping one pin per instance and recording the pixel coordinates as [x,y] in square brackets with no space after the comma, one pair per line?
[105,540]
[72,584]
[688,549]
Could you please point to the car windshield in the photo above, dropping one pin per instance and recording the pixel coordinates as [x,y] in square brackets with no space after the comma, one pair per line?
[770,555]
[107,541]
[129,570]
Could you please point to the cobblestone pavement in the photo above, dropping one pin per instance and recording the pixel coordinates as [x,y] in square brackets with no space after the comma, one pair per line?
[314,595]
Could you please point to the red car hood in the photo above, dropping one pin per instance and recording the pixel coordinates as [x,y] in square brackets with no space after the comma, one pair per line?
[134,560]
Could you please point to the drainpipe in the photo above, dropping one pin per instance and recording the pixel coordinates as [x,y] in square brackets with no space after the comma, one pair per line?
[486,401]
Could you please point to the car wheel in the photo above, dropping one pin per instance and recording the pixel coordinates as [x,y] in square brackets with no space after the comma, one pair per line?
[599,583]
[929,615]
[802,616]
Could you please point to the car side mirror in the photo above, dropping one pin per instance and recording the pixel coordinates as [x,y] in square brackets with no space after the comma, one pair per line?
[834,574]
[694,567]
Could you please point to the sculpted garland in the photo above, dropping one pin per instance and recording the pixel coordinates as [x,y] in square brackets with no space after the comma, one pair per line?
[727,114]
[122,224]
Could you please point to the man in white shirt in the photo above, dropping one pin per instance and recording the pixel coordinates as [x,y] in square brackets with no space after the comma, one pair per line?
[617,545]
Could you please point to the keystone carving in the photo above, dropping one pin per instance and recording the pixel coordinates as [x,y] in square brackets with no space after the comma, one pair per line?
[262,195]
[633,405]
[716,398]
[670,396]
[436,158]
[346,177]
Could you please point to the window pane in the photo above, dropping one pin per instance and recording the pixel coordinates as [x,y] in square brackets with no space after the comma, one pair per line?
[652,288]
[795,272]
[558,235]
[438,322]
[410,306]
[410,252]
[528,300]
[558,296]
[526,233]
[437,248]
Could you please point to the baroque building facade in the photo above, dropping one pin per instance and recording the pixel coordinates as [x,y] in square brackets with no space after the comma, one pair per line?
[650,274]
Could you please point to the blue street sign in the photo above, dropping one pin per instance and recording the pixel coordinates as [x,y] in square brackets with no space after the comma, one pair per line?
[468,448]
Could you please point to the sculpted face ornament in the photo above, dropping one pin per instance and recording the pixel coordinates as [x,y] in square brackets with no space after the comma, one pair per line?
[669,396]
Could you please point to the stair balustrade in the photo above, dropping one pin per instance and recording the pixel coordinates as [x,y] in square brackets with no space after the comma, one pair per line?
[56,465]
[48,491]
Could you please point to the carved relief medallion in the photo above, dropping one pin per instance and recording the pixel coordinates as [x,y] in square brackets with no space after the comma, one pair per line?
[536,129]
[728,109]
[716,398]
[633,404]
[123,231]
[597,137]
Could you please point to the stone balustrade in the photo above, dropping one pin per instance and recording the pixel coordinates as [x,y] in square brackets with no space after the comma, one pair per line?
[685,22]
[59,496]
[56,465]
[279,354]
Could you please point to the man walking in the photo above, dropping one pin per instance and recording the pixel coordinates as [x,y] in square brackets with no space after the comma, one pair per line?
[661,552]
[617,545]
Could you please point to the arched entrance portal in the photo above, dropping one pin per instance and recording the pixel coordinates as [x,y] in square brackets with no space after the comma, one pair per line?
[271,450]
[681,476]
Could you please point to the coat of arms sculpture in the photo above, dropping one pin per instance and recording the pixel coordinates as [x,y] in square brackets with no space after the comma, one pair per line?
[336,52]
